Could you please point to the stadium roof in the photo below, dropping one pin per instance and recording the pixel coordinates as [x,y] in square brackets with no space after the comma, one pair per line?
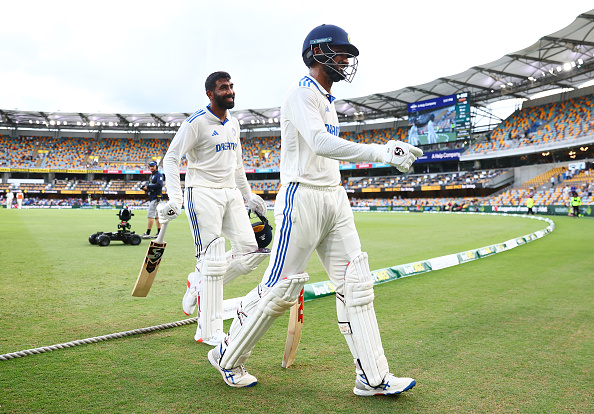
[564,59]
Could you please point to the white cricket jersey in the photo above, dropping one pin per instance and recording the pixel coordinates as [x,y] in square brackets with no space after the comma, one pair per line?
[310,145]
[213,151]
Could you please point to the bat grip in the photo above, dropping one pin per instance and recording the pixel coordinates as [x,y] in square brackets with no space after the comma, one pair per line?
[161,235]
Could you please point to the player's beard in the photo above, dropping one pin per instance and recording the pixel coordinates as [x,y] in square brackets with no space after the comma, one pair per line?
[334,72]
[221,102]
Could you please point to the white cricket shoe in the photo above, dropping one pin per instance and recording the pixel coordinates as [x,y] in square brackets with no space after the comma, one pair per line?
[214,340]
[191,296]
[389,386]
[237,377]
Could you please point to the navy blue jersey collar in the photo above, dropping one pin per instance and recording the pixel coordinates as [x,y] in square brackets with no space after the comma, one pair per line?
[222,122]
[327,95]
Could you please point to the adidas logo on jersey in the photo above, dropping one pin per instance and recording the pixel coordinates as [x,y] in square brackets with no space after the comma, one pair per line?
[215,133]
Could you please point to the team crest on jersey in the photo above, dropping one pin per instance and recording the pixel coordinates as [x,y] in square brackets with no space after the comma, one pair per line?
[234,131]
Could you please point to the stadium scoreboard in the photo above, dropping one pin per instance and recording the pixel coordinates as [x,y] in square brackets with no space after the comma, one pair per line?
[462,116]
[442,119]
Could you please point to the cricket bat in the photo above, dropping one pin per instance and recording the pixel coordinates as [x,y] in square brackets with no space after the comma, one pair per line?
[294,332]
[150,265]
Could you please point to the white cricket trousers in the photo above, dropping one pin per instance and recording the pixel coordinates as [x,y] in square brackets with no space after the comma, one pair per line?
[213,212]
[312,218]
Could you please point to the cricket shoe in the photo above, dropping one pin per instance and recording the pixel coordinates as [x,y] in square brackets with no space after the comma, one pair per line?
[389,386]
[192,294]
[148,236]
[237,377]
[214,340]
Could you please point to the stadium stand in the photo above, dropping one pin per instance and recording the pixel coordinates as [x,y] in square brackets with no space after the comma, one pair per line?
[261,152]
[21,152]
[128,153]
[79,153]
[545,178]
[553,122]
[546,194]
[270,185]
[436,179]
[377,136]
[561,121]
[89,185]
[33,187]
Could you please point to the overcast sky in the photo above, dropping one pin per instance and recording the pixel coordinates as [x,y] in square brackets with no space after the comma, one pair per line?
[153,56]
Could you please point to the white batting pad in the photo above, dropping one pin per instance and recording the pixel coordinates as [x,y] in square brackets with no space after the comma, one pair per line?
[212,268]
[358,323]
[244,264]
[256,314]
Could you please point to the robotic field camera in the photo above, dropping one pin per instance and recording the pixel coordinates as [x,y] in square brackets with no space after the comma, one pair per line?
[123,234]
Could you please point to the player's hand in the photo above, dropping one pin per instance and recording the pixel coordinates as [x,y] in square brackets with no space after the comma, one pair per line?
[256,204]
[401,155]
[168,211]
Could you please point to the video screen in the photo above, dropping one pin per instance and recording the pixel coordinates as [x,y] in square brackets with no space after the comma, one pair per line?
[444,119]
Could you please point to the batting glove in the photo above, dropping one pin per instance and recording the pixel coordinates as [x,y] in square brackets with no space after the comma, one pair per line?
[168,211]
[256,204]
[400,154]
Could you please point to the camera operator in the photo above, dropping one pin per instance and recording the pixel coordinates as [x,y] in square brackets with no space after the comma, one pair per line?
[153,189]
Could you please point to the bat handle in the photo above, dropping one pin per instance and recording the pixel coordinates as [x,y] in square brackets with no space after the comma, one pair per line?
[161,235]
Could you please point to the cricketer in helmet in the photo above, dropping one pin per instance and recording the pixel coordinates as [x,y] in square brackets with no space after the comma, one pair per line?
[324,44]
[313,214]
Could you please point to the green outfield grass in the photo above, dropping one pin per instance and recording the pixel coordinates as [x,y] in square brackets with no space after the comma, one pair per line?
[511,333]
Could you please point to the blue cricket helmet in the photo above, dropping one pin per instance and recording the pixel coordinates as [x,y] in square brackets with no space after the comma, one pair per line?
[262,231]
[326,36]
[331,35]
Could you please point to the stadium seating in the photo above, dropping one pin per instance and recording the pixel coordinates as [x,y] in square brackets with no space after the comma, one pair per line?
[375,136]
[421,204]
[264,152]
[269,185]
[560,121]
[20,152]
[411,180]
[98,185]
[121,185]
[119,153]
[544,179]
[33,187]
[261,152]
[553,122]
[79,153]
[544,193]
[66,153]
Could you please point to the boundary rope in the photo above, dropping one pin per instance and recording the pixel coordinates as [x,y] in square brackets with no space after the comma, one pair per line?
[40,350]
[96,339]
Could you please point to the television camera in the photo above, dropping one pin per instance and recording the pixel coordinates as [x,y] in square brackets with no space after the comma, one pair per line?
[123,234]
